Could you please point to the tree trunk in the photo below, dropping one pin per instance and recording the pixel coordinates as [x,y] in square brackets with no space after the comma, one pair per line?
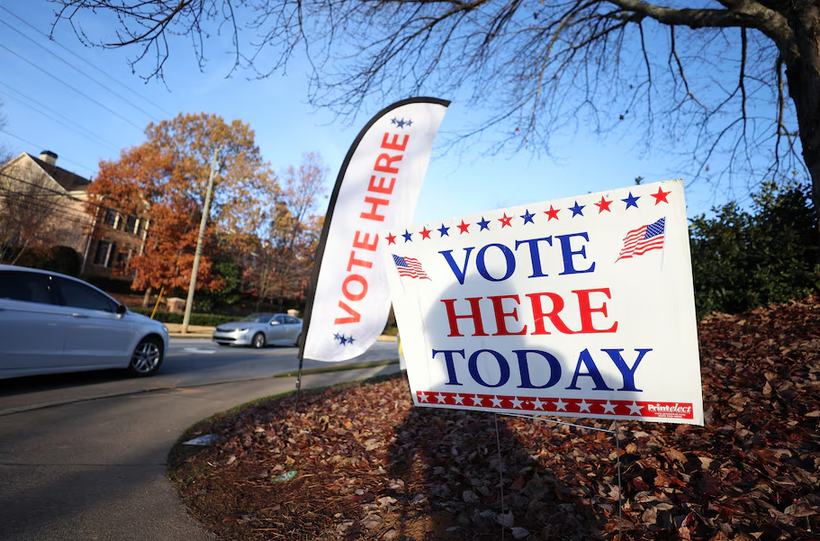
[802,60]
[146,298]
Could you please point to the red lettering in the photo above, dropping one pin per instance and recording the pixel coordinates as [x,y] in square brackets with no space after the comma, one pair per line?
[475,315]
[394,145]
[539,315]
[586,310]
[357,262]
[501,315]
[354,315]
[365,243]
[374,209]
[384,163]
[380,187]
[346,287]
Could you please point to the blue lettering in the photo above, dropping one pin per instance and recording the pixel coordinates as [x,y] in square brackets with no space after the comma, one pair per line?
[502,365]
[535,257]
[567,253]
[524,369]
[508,257]
[459,272]
[593,372]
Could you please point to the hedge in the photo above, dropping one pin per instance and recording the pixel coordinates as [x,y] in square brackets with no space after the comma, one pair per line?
[206,320]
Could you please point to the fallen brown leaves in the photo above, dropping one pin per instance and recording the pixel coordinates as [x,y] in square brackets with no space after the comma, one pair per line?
[370,466]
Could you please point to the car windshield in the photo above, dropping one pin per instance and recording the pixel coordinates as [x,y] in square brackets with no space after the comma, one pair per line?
[258,318]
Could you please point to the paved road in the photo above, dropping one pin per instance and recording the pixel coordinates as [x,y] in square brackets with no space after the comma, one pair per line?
[190,362]
[87,469]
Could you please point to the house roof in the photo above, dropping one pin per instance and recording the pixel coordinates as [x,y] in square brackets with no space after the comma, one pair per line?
[68,180]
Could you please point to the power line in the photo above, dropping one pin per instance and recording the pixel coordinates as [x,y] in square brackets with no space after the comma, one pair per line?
[39,109]
[54,41]
[61,59]
[41,146]
[80,92]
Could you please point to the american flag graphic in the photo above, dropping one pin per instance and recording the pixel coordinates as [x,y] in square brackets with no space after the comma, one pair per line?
[644,239]
[409,266]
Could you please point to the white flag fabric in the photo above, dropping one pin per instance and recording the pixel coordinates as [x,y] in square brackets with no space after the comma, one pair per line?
[377,188]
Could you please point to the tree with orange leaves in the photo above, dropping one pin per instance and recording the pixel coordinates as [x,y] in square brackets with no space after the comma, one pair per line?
[164,180]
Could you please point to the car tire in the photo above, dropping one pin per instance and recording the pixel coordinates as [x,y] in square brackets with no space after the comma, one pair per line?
[296,343]
[258,341]
[147,357]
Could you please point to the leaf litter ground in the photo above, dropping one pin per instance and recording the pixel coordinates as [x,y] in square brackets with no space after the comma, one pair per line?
[358,461]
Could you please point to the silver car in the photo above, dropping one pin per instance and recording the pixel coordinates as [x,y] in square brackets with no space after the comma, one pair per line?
[51,323]
[259,330]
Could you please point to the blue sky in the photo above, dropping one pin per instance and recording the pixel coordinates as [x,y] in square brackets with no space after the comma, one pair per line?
[51,106]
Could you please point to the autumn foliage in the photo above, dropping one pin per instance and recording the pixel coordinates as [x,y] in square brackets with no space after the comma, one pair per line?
[164,181]
[368,465]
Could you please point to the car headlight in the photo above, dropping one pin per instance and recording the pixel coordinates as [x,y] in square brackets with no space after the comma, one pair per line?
[165,329]
[243,329]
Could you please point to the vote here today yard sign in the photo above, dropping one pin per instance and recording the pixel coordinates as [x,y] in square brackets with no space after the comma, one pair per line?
[577,307]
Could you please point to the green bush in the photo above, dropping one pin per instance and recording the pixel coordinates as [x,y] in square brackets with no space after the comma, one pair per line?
[207,320]
[741,259]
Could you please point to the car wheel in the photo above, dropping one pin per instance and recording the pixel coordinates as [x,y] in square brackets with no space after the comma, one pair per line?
[147,357]
[258,340]
[296,343]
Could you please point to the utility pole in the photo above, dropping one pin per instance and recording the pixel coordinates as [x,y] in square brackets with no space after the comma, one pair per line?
[198,253]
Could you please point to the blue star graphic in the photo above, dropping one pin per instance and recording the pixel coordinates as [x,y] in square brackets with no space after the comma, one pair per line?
[445,231]
[350,340]
[484,224]
[528,217]
[393,120]
[631,201]
[409,123]
[401,123]
[577,209]
[343,340]
[408,236]
[337,337]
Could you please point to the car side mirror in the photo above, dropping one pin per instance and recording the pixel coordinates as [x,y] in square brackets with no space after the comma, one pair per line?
[121,309]
[274,323]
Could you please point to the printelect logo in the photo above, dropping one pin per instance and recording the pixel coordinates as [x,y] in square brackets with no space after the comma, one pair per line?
[675,409]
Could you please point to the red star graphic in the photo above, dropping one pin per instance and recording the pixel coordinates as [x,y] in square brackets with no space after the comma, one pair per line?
[603,205]
[505,221]
[463,227]
[391,239]
[660,196]
[552,213]
[425,233]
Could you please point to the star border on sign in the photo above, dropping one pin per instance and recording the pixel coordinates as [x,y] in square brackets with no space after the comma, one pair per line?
[660,197]
[425,233]
[464,228]
[408,236]
[631,201]
[528,217]
[603,205]
[506,221]
[484,223]
[552,213]
[444,231]
[391,239]
[577,210]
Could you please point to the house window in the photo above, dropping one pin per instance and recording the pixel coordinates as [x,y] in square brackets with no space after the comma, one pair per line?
[111,218]
[102,256]
[131,224]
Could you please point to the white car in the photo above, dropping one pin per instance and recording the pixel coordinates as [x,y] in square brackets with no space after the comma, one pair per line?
[258,330]
[51,323]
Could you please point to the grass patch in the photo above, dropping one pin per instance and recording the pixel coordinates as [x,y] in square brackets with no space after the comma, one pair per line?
[337,368]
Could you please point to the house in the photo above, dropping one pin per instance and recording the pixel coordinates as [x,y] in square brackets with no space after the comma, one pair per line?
[42,204]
